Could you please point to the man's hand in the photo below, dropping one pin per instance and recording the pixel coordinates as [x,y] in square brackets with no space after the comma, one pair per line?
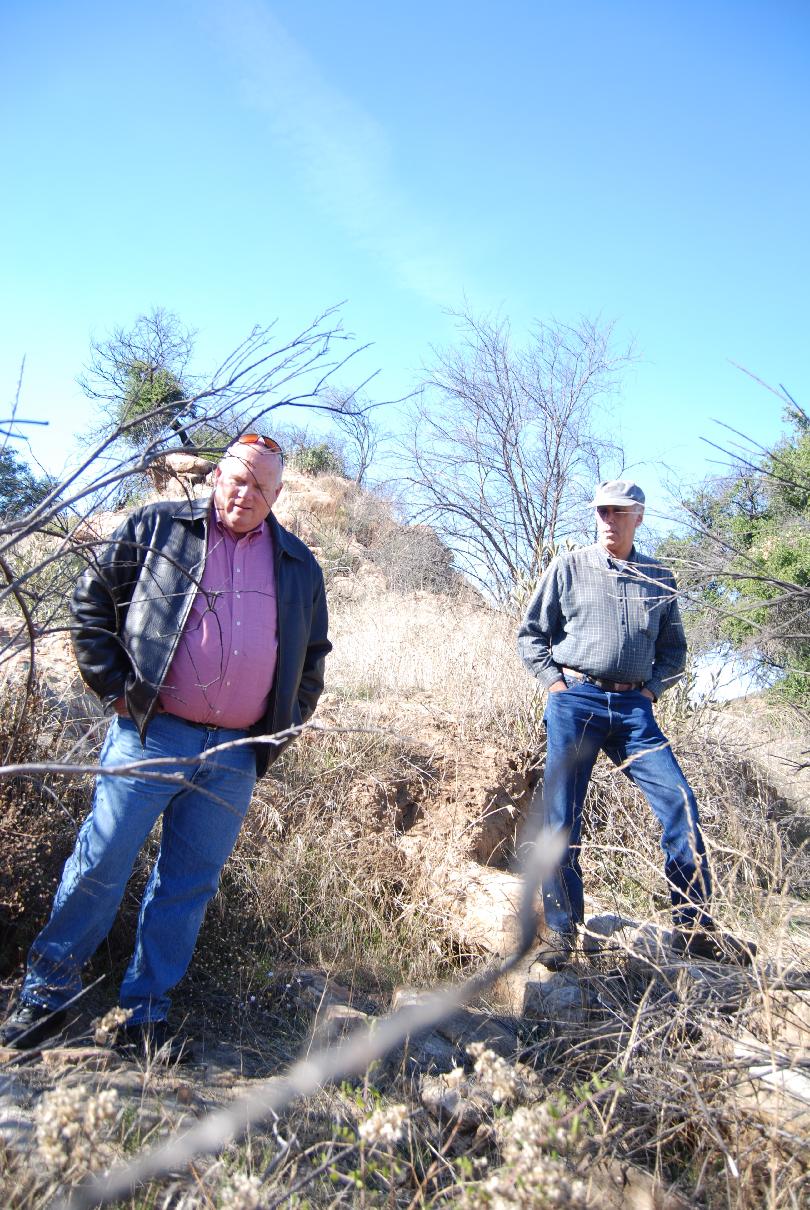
[558,687]
[646,693]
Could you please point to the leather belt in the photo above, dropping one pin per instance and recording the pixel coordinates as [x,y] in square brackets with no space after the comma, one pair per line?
[602,682]
[199,726]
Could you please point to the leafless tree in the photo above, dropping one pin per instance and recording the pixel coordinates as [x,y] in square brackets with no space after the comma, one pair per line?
[361,436]
[507,443]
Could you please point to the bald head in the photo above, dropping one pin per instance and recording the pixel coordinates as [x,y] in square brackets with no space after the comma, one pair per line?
[247,482]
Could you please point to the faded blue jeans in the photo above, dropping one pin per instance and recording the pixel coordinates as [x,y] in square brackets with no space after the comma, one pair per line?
[579,721]
[202,816]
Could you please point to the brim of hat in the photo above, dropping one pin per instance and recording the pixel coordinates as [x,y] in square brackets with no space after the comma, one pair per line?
[615,502]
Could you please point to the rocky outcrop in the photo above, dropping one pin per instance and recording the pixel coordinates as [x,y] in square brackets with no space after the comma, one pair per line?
[178,470]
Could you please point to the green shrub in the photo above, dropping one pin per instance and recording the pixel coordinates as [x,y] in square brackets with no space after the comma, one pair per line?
[318,459]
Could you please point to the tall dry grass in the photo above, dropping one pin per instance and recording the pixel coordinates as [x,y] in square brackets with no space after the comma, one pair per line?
[658,1083]
[453,656]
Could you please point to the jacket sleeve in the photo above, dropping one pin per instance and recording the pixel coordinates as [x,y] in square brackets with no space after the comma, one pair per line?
[670,650]
[310,686]
[541,623]
[98,608]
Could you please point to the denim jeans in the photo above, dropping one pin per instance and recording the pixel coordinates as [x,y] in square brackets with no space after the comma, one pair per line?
[201,821]
[579,722]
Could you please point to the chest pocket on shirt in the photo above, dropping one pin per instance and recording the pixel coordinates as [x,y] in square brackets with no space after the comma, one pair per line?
[646,608]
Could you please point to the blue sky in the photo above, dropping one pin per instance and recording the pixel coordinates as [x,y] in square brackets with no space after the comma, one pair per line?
[235,163]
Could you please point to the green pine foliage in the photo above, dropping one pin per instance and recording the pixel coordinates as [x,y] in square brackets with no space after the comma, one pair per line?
[152,398]
[20,489]
[747,558]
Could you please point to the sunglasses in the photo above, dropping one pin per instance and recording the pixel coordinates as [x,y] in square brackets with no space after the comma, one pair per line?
[269,443]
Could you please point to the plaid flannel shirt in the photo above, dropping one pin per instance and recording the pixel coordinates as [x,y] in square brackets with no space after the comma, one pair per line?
[605,618]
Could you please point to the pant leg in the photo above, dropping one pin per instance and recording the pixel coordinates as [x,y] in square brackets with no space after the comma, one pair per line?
[575,722]
[200,829]
[94,878]
[658,775]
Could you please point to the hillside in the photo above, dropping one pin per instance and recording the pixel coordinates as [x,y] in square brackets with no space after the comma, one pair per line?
[379,861]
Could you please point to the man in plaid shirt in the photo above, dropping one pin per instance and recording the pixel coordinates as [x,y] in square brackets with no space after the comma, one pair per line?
[603,635]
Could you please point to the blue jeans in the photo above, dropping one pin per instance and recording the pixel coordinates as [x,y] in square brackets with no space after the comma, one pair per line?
[579,721]
[201,821]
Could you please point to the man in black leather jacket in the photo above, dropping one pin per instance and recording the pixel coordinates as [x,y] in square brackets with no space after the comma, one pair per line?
[200,625]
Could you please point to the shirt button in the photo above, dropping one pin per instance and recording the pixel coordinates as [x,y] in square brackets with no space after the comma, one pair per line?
[239,596]
[235,651]
[238,623]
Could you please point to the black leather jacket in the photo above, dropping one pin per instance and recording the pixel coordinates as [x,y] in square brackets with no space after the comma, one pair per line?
[131,604]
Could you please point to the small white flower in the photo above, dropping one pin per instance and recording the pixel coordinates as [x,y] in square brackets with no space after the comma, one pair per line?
[242,1193]
[455,1077]
[498,1077]
[69,1123]
[384,1125]
[106,1028]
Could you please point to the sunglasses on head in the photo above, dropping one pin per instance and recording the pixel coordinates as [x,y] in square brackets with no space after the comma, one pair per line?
[269,443]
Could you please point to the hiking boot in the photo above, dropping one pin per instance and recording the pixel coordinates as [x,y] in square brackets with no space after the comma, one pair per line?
[712,945]
[30,1024]
[555,949]
[154,1041]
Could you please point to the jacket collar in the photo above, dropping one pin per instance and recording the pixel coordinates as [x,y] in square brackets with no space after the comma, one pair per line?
[284,540]
[197,510]
[191,510]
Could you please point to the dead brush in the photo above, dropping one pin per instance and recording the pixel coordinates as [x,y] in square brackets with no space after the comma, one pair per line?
[317,879]
[759,874]
[680,1095]
[39,814]
[685,1110]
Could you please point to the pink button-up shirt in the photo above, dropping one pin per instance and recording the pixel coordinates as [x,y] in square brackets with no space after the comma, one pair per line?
[224,665]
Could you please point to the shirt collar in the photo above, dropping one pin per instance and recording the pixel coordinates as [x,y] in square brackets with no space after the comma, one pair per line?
[610,561]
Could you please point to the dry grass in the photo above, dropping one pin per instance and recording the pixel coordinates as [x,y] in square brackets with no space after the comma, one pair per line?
[761,872]
[317,878]
[454,657]
[658,1078]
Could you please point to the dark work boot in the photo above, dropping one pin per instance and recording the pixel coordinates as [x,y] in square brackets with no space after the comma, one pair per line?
[30,1024]
[712,945]
[154,1041]
[556,949]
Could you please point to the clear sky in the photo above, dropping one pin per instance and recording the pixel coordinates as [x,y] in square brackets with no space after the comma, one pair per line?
[236,162]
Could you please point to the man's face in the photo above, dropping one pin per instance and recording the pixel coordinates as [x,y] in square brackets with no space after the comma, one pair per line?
[616,528]
[246,485]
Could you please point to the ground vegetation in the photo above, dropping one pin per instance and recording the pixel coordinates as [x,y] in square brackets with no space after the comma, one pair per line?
[639,1084]
[376,866]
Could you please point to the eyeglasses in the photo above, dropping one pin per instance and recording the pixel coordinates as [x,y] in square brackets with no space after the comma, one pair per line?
[269,443]
[613,510]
